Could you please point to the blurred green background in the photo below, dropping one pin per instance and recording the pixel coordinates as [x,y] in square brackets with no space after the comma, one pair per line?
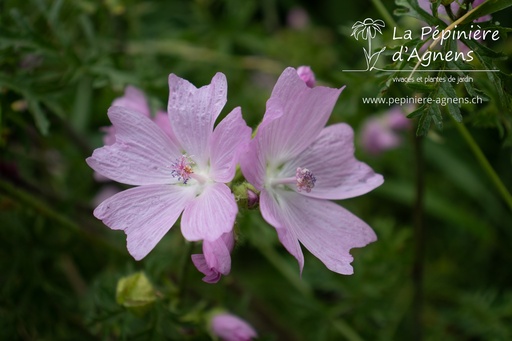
[62,63]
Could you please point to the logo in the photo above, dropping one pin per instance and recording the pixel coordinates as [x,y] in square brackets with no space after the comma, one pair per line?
[368,29]
[428,53]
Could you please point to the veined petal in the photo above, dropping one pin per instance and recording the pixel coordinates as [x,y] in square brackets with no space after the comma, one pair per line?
[210,214]
[162,121]
[193,113]
[210,274]
[230,136]
[339,175]
[274,215]
[133,99]
[141,155]
[145,214]
[253,160]
[327,230]
[218,252]
[305,112]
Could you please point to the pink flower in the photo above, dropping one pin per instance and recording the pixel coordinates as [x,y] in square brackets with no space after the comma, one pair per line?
[382,132]
[232,328]
[297,18]
[216,259]
[307,75]
[298,165]
[185,172]
[133,99]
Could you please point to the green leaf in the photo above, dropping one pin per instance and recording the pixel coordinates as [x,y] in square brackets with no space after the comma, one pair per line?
[423,124]
[447,91]
[437,117]
[39,116]
[418,112]
[421,87]
[488,7]
[413,9]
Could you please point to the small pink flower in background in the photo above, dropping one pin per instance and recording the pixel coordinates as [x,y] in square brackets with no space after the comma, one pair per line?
[105,193]
[229,327]
[134,99]
[297,18]
[182,172]
[382,132]
[306,74]
[215,260]
[299,165]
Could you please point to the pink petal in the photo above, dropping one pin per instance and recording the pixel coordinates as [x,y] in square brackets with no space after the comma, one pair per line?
[305,113]
[230,135]
[339,175]
[253,158]
[162,121]
[133,99]
[209,215]
[141,155]
[145,214]
[193,113]
[327,230]
[272,213]
[218,252]
[216,258]
[210,275]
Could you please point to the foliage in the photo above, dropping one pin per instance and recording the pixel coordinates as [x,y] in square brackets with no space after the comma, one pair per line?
[63,62]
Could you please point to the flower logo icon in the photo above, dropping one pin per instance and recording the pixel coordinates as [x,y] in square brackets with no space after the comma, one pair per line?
[367,30]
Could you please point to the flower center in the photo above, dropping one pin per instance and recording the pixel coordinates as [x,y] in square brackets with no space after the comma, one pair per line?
[304,180]
[182,168]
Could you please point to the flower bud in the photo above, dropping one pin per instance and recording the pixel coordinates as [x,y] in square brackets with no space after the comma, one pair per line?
[307,75]
[135,293]
[246,195]
[231,328]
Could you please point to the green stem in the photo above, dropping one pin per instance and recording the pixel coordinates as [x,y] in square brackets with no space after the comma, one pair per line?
[505,194]
[419,241]
[384,12]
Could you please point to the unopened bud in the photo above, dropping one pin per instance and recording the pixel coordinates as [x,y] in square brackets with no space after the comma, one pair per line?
[306,74]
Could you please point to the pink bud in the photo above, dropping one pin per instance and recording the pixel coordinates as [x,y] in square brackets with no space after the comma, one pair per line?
[232,328]
[252,199]
[307,75]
